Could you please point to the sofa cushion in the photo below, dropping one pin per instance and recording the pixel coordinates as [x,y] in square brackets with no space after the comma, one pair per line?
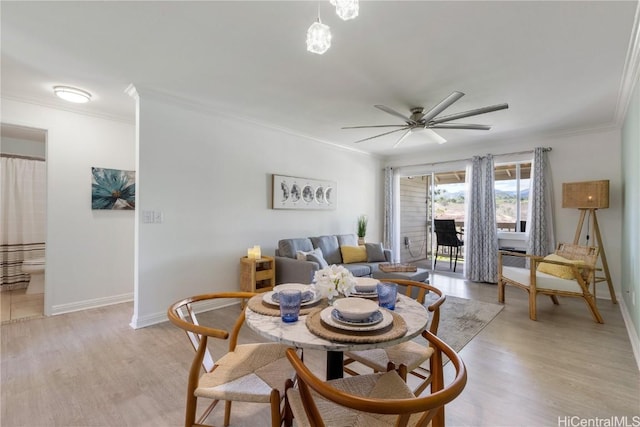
[316,256]
[347,240]
[375,252]
[358,270]
[289,247]
[561,271]
[352,254]
[329,247]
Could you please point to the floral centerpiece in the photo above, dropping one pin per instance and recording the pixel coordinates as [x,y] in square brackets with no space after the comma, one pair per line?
[333,281]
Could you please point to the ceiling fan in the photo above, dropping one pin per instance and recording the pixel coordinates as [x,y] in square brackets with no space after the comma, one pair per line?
[420,120]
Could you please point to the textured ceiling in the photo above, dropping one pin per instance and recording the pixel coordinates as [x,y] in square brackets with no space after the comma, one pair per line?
[559,65]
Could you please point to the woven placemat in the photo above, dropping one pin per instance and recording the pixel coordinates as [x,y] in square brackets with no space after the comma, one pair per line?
[259,306]
[395,330]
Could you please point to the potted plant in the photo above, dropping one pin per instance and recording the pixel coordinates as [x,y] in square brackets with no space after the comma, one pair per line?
[362,228]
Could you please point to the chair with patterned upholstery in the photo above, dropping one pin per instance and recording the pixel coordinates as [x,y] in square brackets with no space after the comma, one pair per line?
[380,399]
[247,372]
[409,354]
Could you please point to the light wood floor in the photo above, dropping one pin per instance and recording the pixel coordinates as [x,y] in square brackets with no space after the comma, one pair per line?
[91,369]
[17,305]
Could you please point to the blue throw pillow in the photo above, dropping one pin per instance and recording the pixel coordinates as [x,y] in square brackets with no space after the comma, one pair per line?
[375,253]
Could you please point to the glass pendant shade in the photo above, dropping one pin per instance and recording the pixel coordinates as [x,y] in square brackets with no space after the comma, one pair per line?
[318,38]
[346,9]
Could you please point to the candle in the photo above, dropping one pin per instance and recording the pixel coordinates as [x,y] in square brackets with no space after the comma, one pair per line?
[257,252]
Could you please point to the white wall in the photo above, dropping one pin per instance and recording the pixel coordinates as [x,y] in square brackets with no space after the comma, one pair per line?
[210,176]
[89,253]
[577,157]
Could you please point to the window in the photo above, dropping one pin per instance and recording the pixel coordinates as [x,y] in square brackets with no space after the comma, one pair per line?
[512,195]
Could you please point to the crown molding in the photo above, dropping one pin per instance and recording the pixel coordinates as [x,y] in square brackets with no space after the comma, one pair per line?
[630,73]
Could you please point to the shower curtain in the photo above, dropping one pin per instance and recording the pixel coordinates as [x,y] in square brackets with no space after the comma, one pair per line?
[22,217]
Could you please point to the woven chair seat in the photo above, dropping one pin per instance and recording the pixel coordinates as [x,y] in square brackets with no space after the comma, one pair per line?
[408,353]
[387,385]
[248,374]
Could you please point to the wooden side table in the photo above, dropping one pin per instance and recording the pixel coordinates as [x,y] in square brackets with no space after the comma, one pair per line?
[257,275]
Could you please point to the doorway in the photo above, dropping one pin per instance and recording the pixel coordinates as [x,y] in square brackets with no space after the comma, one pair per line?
[23,222]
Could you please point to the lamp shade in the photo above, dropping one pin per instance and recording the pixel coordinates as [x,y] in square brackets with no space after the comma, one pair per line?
[586,194]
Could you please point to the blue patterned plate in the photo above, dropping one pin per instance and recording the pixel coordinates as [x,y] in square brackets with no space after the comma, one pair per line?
[375,318]
[306,296]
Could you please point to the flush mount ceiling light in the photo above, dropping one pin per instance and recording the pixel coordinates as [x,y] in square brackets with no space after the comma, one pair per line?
[72,94]
[318,37]
[346,9]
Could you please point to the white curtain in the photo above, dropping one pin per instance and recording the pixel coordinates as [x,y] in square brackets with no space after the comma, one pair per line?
[481,236]
[540,222]
[22,217]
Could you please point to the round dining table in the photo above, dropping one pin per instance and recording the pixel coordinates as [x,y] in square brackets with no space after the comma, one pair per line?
[297,334]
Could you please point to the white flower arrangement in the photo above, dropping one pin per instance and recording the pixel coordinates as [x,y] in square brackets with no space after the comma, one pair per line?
[332,281]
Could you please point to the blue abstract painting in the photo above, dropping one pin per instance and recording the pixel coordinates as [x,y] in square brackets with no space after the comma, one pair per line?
[113,189]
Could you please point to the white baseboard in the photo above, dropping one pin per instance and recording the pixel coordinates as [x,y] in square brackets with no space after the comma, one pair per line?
[631,330]
[138,322]
[92,303]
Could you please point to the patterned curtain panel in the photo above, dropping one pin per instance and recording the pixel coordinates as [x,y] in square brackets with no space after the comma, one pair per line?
[481,235]
[22,217]
[389,237]
[540,223]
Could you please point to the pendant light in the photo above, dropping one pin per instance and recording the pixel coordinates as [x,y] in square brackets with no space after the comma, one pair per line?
[346,9]
[318,37]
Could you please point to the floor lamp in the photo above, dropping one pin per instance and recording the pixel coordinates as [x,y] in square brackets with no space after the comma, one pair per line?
[588,197]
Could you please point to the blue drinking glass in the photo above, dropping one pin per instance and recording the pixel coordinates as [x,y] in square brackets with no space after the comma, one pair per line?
[387,293]
[290,301]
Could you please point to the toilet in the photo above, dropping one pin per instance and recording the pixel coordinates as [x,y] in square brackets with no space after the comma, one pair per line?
[35,268]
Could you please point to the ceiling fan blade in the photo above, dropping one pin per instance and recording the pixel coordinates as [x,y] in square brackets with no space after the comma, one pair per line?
[382,134]
[395,113]
[469,113]
[443,105]
[402,138]
[459,126]
[374,126]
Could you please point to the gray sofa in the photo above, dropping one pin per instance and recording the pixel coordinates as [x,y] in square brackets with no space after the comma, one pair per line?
[298,259]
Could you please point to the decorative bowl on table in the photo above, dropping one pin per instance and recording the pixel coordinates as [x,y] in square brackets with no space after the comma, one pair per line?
[355,308]
[366,284]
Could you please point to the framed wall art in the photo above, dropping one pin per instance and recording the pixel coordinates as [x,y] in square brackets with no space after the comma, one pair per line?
[113,189]
[291,192]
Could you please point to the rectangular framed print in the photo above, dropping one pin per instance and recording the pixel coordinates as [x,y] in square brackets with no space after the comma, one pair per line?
[291,192]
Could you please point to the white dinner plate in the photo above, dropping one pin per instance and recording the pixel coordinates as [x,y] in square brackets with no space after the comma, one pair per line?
[373,294]
[326,317]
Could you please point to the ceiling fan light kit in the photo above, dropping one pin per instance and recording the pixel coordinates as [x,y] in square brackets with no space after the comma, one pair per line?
[419,120]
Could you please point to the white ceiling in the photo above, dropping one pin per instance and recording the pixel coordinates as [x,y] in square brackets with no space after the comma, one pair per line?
[561,66]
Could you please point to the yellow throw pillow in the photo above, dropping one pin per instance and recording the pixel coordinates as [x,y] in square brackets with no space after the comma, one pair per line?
[561,271]
[351,254]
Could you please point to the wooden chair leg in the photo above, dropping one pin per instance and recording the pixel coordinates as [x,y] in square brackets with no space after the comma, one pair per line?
[554,299]
[594,309]
[190,413]
[227,412]
[287,414]
[274,400]
[532,305]
[500,290]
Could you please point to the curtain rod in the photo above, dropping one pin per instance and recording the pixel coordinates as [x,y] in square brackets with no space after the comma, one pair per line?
[469,158]
[17,156]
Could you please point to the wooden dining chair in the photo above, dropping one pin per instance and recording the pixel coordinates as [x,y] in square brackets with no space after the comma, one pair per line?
[246,373]
[410,354]
[374,399]
[567,273]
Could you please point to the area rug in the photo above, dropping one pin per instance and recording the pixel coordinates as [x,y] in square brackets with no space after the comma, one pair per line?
[462,319]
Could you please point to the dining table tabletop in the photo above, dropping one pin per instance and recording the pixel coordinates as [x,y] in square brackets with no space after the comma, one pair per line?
[314,331]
